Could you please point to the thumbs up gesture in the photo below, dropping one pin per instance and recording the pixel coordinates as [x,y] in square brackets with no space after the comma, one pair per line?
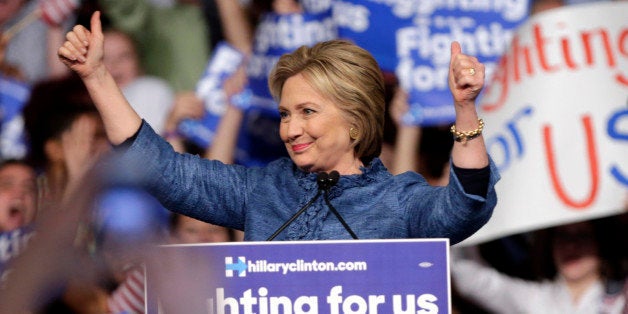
[466,76]
[82,51]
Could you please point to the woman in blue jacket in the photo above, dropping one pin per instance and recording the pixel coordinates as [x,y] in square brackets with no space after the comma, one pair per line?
[331,103]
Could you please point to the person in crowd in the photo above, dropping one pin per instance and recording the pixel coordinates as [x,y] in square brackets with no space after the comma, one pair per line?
[173,41]
[18,209]
[185,230]
[186,105]
[425,150]
[29,36]
[150,96]
[65,135]
[18,195]
[106,214]
[539,6]
[331,104]
[231,19]
[579,276]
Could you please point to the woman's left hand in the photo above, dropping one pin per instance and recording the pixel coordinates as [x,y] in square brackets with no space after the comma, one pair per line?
[466,76]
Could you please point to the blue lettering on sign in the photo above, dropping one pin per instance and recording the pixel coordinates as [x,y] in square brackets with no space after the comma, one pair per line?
[613,130]
[501,142]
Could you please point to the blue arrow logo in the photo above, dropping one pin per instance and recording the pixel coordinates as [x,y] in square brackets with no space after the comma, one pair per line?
[239,266]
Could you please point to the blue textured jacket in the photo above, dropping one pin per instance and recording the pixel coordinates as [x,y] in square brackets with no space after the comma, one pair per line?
[258,200]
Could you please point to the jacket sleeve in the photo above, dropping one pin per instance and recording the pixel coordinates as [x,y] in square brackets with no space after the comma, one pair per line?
[188,184]
[448,212]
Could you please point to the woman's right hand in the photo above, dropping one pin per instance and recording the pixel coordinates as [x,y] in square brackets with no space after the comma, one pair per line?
[82,51]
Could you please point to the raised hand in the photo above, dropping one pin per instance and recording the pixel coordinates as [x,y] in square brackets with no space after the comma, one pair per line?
[466,76]
[82,51]
[466,79]
[186,106]
[399,106]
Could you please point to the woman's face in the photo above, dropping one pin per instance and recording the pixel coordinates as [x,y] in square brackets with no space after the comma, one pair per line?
[18,196]
[315,132]
[120,58]
[576,252]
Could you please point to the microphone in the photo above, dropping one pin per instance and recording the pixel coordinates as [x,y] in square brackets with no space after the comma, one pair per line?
[323,181]
[330,181]
[326,181]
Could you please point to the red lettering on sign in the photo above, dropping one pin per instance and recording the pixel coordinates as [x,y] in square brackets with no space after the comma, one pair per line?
[593,166]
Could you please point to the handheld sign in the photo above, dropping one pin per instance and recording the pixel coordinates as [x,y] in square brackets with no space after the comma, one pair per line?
[557,120]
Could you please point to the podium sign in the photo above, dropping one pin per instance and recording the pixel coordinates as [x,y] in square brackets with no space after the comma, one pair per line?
[365,276]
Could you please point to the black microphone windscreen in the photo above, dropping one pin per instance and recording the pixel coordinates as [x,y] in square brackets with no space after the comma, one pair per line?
[322,179]
[333,177]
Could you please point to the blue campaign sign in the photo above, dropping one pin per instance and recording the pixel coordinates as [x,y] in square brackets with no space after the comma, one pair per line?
[12,244]
[278,34]
[372,24]
[13,96]
[412,38]
[366,276]
[484,30]
[223,64]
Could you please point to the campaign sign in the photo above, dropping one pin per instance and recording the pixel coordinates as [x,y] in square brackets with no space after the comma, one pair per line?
[223,64]
[13,96]
[278,34]
[12,244]
[484,30]
[372,24]
[365,276]
[557,121]
[412,38]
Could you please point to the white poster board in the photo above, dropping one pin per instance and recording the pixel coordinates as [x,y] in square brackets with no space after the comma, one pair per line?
[556,113]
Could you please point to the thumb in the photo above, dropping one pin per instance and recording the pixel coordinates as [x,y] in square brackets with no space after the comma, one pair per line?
[95,25]
[455,49]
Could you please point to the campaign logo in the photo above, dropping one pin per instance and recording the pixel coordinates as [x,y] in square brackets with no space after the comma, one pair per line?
[239,266]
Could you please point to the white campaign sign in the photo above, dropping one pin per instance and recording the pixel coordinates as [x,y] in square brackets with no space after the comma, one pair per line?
[556,113]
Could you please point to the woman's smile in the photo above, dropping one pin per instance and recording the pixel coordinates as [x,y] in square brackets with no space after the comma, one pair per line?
[300,147]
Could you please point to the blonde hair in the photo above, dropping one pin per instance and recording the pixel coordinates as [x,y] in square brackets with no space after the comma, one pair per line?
[350,77]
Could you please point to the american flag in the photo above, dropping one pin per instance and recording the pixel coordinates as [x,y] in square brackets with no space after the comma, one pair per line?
[128,298]
[54,12]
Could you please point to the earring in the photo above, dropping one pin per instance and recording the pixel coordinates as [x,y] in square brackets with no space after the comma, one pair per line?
[354,133]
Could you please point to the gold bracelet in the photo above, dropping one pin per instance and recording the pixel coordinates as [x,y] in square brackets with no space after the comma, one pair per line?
[467,136]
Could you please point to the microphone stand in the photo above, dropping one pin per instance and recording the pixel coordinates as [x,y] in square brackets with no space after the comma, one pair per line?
[325,182]
[333,179]
[297,214]
[321,179]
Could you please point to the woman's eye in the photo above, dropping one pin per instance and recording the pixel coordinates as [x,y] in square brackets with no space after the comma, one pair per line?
[283,114]
[308,111]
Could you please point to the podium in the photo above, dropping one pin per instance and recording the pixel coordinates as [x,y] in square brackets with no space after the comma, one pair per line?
[349,276]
